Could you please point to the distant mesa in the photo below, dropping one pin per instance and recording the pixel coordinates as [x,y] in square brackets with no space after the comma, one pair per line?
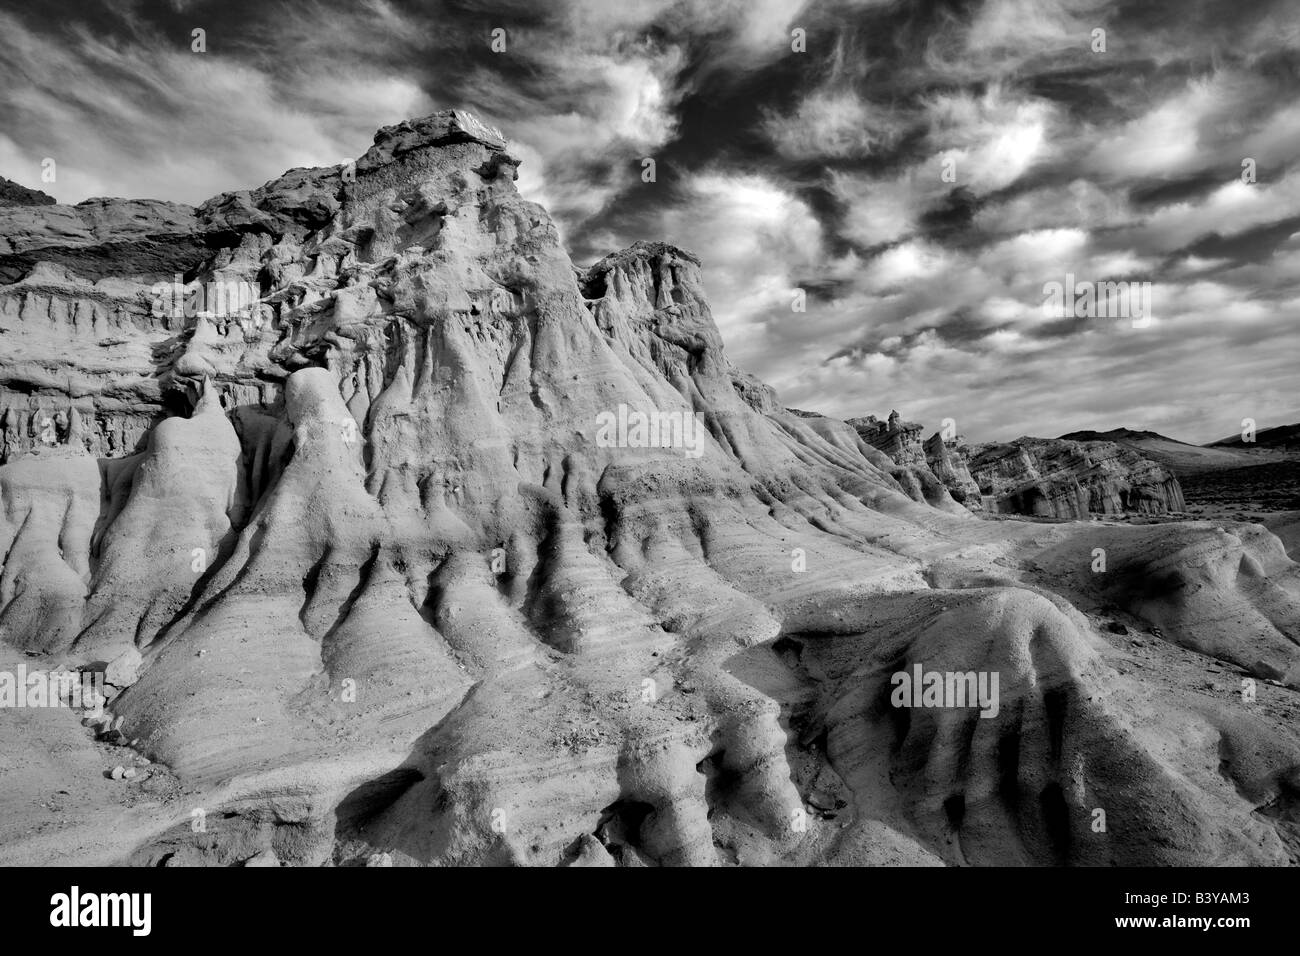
[1119,435]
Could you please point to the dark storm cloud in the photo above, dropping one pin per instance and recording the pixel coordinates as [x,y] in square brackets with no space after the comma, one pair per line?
[1248,246]
[1154,193]
[821,170]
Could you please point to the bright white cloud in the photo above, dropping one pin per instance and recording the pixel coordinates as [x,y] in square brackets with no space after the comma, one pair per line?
[994,138]
[1229,210]
[756,241]
[831,123]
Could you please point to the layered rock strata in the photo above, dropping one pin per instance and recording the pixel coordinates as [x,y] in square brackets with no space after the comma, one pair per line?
[949,461]
[900,442]
[1069,479]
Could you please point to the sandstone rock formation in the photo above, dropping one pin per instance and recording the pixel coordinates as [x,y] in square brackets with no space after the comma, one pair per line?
[397,599]
[1229,478]
[1068,479]
[1048,478]
[898,439]
[900,442]
[949,460]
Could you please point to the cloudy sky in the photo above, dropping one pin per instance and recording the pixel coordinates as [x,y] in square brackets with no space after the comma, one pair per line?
[920,169]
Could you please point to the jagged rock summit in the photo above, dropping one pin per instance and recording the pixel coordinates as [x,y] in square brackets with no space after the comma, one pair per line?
[925,472]
[405,540]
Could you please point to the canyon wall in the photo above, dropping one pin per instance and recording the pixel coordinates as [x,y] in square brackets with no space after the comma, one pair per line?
[1068,479]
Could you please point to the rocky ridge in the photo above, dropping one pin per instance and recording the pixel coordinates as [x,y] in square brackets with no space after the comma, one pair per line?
[1045,478]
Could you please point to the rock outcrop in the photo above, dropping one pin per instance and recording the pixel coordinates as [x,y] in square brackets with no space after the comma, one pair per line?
[1067,479]
[900,442]
[435,549]
[1047,478]
[949,461]
[898,439]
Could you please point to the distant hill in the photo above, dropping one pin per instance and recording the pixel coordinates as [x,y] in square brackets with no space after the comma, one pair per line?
[1282,437]
[1179,457]
[1116,434]
[12,194]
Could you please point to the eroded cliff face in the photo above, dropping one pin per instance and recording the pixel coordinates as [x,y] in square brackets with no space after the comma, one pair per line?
[376,578]
[898,439]
[1046,478]
[1067,479]
[900,442]
[949,460]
